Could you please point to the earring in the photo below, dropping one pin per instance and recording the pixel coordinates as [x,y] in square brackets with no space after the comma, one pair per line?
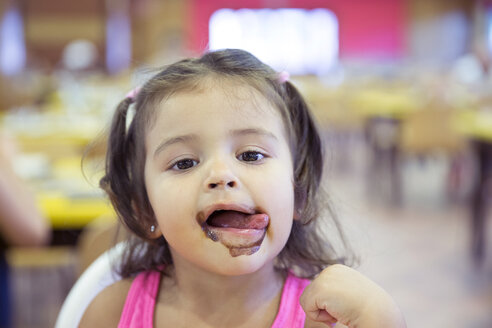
[152,228]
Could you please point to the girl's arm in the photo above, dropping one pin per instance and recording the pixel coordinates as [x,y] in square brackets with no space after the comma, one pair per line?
[21,223]
[341,294]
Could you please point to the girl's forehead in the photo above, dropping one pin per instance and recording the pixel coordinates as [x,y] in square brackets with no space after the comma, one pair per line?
[216,107]
[219,98]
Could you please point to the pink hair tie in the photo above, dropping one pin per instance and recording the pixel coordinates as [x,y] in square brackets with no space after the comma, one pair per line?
[283,76]
[133,94]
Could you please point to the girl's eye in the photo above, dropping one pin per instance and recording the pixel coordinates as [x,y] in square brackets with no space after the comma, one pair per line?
[184,164]
[250,156]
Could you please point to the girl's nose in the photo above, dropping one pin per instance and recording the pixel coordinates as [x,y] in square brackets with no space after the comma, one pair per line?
[222,183]
[221,177]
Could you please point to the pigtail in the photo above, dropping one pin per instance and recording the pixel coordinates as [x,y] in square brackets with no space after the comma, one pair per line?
[117,177]
[308,160]
[120,172]
[307,251]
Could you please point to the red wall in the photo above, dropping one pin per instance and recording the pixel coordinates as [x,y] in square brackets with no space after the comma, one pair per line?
[367,28]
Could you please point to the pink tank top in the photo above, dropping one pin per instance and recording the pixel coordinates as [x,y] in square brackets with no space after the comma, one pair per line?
[138,311]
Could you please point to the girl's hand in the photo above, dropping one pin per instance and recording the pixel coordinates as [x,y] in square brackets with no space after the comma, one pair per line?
[341,294]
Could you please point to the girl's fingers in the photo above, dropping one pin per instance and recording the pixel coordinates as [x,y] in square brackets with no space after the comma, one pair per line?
[322,316]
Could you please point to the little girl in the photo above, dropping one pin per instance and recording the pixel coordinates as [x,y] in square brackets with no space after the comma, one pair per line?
[218,178]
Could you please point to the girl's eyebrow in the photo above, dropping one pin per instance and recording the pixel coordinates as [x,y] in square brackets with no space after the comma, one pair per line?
[256,131]
[179,139]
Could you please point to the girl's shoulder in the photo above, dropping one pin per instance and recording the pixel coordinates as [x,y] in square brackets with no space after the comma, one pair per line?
[105,309]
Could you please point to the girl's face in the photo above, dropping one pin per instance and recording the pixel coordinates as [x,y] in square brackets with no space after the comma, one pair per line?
[219,177]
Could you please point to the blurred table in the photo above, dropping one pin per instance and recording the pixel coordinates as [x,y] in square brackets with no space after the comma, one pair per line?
[477,126]
[69,214]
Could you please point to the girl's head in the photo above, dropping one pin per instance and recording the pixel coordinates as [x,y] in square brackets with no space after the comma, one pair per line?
[222,140]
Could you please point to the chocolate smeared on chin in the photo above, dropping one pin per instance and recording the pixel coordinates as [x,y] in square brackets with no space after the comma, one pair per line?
[244,251]
[220,223]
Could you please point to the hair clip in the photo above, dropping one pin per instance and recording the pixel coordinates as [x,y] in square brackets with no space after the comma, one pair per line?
[283,77]
[133,93]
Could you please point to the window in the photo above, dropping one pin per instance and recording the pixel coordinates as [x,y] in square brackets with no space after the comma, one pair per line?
[12,47]
[296,40]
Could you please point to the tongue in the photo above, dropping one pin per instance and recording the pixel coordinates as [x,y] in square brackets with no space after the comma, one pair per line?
[238,220]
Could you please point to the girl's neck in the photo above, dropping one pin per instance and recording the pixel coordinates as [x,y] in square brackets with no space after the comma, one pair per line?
[210,295]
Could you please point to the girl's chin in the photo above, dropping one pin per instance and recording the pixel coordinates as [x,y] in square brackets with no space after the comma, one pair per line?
[241,264]
[217,258]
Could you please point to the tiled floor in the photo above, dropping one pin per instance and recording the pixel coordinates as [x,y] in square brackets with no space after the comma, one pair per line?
[418,252]
[421,258]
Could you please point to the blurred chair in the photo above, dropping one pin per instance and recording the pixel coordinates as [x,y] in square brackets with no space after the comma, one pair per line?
[428,133]
[382,135]
[98,276]
[430,130]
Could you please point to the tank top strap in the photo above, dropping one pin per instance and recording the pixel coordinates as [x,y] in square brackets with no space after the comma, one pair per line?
[290,313]
[138,311]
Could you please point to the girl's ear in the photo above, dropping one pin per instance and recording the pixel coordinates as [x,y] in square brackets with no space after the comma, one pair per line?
[297,213]
[146,231]
[154,232]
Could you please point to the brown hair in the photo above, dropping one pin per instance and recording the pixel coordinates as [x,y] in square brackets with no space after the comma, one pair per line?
[307,251]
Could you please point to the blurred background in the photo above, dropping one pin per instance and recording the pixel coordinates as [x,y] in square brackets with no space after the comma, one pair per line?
[402,90]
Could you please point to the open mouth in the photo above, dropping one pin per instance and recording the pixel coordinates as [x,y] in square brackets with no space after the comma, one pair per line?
[237,220]
[242,232]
